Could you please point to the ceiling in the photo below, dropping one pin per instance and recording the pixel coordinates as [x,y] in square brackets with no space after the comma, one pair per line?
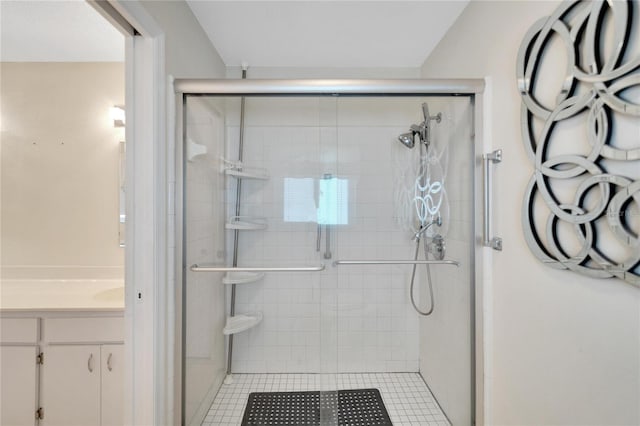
[295,33]
[57,31]
[326,33]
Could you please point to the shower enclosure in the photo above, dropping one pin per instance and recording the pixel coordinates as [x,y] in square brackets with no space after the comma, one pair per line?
[301,216]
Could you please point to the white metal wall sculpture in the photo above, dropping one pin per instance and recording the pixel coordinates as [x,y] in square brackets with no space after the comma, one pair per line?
[581,208]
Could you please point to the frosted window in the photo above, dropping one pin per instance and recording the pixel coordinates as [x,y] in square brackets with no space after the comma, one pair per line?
[299,200]
[334,201]
[325,201]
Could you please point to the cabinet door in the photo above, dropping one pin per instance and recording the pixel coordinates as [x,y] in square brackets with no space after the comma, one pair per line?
[18,383]
[112,385]
[70,393]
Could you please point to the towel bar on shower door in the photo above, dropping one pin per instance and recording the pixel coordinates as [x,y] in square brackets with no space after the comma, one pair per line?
[396,262]
[204,268]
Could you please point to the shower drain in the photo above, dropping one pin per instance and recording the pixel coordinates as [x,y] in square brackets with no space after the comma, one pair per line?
[357,407]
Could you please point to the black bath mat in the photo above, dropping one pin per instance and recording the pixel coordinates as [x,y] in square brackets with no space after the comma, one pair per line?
[358,407]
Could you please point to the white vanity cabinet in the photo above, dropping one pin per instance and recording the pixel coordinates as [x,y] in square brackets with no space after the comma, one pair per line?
[70,393]
[79,379]
[83,385]
[18,371]
[112,395]
[18,398]
[82,379]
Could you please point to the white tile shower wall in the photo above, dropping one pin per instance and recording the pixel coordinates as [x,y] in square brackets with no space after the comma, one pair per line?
[205,297]
[344,319]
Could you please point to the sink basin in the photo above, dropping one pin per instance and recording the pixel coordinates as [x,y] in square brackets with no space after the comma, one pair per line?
[111,295]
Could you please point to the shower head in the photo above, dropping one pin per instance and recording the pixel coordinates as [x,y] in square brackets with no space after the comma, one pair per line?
[407,139]
[423,129]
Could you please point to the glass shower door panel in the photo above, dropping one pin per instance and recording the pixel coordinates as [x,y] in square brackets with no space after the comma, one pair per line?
[325,180]
[393,192]
[447,335]
[282,139]
[377,329]
[203,240]
[290,141]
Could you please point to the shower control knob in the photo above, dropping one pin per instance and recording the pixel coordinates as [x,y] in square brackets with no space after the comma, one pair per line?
[437,247]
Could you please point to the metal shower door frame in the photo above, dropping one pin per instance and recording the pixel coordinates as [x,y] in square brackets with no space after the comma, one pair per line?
[473,88]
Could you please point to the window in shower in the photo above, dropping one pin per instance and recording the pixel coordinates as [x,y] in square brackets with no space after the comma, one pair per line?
[333,201]
[323,201]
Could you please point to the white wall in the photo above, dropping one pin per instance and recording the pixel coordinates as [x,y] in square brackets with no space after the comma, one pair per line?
[60,170]
[563,349]
[188,51]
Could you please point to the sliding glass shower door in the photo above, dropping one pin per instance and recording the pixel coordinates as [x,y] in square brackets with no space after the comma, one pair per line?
[323,208]
[408,247]
[203,242]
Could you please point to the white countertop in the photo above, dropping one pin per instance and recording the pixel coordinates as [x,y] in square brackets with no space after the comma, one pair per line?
[61,295]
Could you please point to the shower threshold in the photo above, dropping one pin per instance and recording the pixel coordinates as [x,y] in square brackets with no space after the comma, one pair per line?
[405,395]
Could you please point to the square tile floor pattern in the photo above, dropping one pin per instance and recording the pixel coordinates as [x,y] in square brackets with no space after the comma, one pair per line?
[406,397]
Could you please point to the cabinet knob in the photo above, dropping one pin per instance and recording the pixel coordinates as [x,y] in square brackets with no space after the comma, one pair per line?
[90,363]
[109,367]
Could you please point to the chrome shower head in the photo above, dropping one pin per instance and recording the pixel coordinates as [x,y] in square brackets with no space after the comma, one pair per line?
[423,129]
[407,139]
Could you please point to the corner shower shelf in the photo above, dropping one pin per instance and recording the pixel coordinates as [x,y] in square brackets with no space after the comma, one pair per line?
[248,174]
[241,171]
[242,322]
[242,277]
[195,150]
[246,223]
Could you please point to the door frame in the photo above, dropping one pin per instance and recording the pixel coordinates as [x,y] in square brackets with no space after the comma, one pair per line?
[148,396]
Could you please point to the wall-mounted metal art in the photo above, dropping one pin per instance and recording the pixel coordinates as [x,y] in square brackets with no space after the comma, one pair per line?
[581,208]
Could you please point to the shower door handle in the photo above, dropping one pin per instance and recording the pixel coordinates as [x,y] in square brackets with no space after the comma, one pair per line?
[488,240]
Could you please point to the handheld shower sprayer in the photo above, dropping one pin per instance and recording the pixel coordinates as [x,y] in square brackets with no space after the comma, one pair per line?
[436,221]
[423,131]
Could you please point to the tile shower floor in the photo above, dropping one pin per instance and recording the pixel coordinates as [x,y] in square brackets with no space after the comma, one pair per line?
[405,395]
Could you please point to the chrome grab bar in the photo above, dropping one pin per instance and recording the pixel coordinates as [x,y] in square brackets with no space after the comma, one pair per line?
[198,268]
[396,262]
[489,241]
